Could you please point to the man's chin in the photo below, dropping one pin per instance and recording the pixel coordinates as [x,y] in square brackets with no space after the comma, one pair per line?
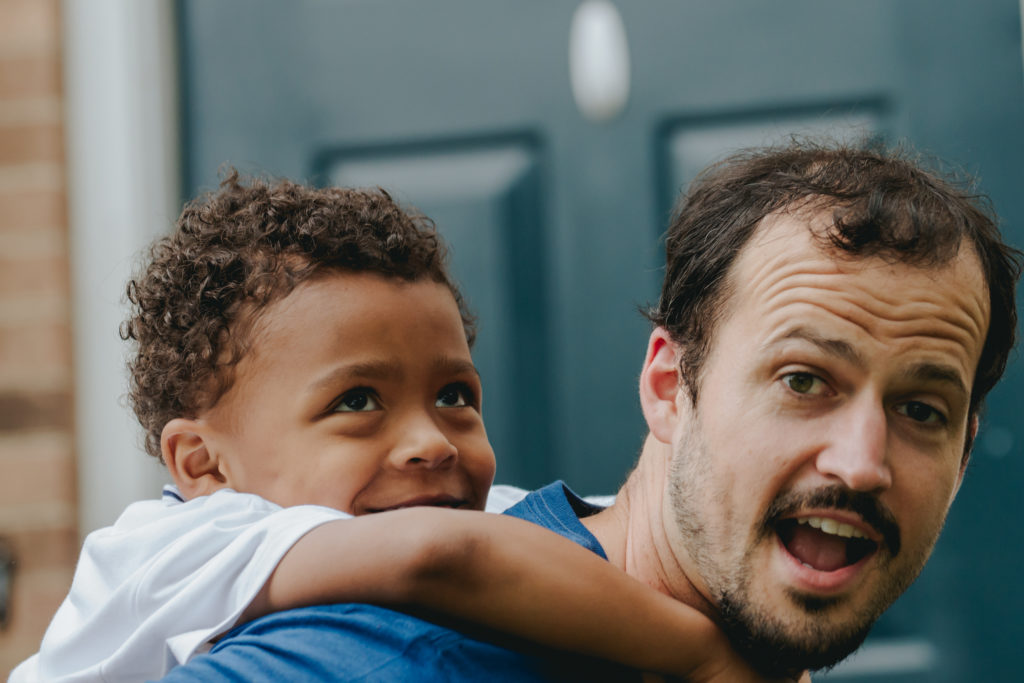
[779,651]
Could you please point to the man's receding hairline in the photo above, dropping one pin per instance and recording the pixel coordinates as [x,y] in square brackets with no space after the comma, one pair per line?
[722,302]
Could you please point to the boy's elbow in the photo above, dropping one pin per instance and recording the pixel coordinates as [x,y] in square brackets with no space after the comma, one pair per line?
[451,550]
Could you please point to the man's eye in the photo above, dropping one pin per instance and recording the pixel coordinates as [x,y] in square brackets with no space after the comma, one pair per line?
[921,412]
[454,396]
[358,401]
[804,383]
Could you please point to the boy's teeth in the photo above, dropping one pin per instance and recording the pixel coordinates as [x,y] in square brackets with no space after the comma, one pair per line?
[831,526]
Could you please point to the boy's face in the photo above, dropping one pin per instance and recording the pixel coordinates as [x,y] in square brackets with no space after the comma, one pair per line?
[358,392]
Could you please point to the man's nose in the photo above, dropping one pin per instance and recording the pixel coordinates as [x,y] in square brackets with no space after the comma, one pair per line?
[857,452]
[422,444]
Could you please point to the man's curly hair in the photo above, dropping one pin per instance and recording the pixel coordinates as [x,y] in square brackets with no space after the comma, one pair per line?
[235,251]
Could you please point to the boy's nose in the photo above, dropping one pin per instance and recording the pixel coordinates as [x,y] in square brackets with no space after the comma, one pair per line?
[423,444]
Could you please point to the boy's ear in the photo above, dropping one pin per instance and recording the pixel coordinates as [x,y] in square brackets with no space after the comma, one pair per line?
[194,465]
[660,385]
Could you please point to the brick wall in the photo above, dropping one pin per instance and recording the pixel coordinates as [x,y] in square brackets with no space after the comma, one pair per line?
[37,464]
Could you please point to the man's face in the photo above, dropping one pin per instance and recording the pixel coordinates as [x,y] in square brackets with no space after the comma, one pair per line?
[358,392]
[811,480]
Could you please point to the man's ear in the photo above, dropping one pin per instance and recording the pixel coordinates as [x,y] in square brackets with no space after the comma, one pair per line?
[660,385]
[194,465]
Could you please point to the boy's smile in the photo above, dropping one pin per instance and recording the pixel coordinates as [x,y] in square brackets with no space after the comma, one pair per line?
[357,392]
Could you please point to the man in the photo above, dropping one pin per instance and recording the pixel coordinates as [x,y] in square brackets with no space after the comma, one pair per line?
[830,323]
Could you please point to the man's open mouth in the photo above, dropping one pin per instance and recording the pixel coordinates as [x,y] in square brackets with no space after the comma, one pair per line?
[822,543]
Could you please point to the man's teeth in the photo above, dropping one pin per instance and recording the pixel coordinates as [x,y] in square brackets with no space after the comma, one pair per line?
[831,526]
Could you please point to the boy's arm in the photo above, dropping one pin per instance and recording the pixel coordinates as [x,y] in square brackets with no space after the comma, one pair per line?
[506,574]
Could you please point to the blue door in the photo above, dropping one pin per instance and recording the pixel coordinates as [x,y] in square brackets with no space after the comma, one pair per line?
[466,109]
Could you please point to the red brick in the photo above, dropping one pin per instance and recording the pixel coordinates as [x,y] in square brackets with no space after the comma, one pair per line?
[31,143]
[43,549]
[30,24]
[37,468]
[24,276]
[38,345]
[22,411]
[28,210]
[35,598]
[29,76]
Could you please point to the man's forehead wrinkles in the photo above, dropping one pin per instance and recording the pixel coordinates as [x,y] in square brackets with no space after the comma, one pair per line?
[778,255]
[838,348]
[918,311]
[936,332]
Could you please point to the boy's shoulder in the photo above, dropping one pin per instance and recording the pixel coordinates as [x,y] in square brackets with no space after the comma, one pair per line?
[166,577]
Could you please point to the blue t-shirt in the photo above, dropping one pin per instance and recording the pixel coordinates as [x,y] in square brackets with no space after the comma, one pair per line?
[357,642]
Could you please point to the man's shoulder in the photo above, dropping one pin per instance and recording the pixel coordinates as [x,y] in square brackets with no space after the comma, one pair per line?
[558,508]
[357,642]
[361,639]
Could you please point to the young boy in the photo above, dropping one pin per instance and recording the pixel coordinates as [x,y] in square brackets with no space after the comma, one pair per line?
[303,357]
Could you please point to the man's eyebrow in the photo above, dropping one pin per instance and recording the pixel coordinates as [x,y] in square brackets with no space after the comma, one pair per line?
[918,372]
[833,347]
[938,372]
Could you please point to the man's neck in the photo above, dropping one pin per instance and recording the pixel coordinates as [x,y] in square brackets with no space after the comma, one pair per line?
[633,534]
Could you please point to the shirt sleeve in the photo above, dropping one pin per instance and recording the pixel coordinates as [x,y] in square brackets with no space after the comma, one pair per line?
[152,590]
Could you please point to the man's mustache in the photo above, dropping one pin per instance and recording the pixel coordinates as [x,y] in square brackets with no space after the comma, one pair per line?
[870,509]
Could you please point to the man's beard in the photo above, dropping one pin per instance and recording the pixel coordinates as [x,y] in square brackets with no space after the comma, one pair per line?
[772,643]
[776,650]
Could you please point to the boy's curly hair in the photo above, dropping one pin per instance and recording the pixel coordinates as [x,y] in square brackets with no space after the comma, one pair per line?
[237,250]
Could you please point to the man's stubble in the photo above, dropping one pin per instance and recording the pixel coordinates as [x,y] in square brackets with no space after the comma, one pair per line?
[772,644]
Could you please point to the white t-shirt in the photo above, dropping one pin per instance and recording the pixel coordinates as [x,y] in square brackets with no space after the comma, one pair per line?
[151,591]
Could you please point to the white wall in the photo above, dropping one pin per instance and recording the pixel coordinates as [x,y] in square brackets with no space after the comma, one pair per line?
[123,177]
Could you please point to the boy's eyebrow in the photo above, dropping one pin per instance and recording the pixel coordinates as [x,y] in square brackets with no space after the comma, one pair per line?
[387,369]
[454,366]
[374,369]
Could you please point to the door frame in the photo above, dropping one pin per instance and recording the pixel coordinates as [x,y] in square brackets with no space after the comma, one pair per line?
[123,176]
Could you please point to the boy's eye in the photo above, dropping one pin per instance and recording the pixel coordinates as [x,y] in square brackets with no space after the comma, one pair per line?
[921,412]
[454,396]
[804,383]
[357,401]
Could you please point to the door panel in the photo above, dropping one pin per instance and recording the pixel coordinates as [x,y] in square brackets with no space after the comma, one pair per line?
[690,145]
